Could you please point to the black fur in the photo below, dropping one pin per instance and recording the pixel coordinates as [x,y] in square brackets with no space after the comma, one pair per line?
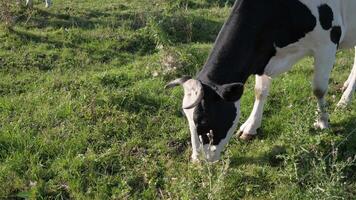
[335,34]
[231,92]
[214,114]
[326,16]
[244,46]
[247,40]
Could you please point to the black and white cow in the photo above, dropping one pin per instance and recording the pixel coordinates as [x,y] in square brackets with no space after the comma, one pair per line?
[48,3]
[264,38]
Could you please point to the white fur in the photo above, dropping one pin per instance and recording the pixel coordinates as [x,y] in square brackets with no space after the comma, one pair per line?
[254,121]
[324,61]
[349,87]
[318,44]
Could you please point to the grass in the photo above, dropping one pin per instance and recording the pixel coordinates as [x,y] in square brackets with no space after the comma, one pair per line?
[83,112]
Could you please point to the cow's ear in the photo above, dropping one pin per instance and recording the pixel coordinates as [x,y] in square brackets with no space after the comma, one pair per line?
[231,92]
[193,91]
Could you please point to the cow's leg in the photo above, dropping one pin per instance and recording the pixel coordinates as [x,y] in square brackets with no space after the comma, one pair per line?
[48,3]
[349,87]
[249,128]
[324,61]
[28,2]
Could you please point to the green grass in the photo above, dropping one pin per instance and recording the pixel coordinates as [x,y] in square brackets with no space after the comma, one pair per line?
[83,112]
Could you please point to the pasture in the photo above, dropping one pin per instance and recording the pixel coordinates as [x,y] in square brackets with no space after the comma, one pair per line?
[84,113]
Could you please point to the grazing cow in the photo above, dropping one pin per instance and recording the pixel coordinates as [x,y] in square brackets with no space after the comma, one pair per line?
[48,3]
[264,38]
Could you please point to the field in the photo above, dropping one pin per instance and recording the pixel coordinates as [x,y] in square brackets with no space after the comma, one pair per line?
[84,113]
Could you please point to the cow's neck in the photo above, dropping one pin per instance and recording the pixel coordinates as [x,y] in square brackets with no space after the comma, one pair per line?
[250,36]
[233,56]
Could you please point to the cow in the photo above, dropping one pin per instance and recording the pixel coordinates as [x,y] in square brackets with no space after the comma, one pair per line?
[48,3]
[265,39]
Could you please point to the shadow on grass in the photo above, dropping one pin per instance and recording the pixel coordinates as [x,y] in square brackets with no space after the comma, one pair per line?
[44,19]
[272,158]
[102,54]
[89,19]
[182,28]
[204,4]
[27,36]
[179,27]
[346,146]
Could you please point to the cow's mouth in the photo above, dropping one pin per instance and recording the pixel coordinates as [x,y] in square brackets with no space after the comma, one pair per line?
[210,153]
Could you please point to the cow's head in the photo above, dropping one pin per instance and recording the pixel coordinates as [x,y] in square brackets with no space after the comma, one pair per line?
[212,112]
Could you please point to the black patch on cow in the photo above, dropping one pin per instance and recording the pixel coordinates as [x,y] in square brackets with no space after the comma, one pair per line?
[335,34]
[213,113]
[231,92]
[326,16]
[244,46]
[249,37]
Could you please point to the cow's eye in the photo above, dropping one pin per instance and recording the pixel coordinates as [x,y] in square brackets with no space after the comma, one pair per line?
[203,122]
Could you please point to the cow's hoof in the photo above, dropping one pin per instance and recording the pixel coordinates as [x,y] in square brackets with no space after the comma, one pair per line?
[321,125]
[343,89]
[249,129]
[195,160]
[342,104]
[245,137]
